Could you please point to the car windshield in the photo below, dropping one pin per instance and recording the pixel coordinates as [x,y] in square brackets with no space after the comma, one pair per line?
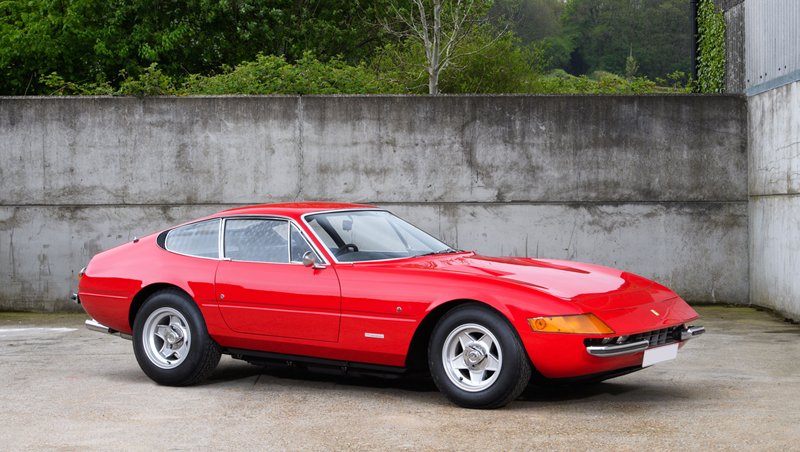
[369,235]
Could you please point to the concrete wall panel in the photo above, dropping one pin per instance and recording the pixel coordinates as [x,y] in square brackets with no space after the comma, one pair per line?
[692,248]
[85,151]
[774,124]
[774,118]
[775,253]
[735,75]
[153,151]
[524,148]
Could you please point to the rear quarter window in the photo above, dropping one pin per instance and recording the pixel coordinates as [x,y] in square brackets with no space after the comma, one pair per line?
[197,239]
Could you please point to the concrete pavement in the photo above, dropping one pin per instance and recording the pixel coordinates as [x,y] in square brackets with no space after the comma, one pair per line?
[67,388]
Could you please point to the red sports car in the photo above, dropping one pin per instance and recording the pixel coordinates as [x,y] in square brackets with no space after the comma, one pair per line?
[354,289]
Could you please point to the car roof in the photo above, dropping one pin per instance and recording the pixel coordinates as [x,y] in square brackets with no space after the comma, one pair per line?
[291,209]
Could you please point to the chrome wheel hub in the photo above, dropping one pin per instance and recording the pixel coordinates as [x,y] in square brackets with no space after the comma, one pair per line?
[174,335]
[472,357]
[166,338]
[475,358]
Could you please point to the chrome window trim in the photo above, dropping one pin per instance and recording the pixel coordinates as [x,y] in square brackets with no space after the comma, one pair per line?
[291,222]
[189,224]
[220,249]
[305,239]
[361,209]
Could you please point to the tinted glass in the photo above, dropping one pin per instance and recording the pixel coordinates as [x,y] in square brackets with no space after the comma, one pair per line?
[198,239]
[257,240]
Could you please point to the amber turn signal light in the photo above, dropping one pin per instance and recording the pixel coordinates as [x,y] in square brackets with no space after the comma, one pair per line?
[80,274]
[574,324]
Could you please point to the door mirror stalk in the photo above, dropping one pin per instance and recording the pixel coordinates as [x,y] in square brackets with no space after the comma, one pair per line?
[308,261]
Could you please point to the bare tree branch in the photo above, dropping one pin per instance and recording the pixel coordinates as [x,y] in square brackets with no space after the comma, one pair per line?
[442,27]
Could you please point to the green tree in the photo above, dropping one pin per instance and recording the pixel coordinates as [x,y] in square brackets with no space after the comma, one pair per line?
[504,67]
[443,31]
[40,36]
[599,34]
[531,20]
[94,39]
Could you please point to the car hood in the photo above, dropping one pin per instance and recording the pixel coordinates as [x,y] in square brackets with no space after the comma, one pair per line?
[590,286]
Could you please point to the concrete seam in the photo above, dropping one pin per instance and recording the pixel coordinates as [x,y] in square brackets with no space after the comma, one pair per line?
[775,195]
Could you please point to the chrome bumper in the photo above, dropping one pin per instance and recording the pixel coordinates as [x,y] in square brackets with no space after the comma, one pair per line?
[100,328]
[76,298]
[691,332]
[606,351]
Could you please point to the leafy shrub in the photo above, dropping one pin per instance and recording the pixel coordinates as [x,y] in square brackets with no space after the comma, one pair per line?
[504,67]
[268,74]
[711,44]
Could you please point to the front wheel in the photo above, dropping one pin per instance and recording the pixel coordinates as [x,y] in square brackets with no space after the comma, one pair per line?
[171,341]
[476,358]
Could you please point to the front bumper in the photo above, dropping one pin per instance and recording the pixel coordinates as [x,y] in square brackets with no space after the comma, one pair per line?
[606,351]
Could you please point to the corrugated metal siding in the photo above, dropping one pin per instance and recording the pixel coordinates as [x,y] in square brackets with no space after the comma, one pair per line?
[772,39]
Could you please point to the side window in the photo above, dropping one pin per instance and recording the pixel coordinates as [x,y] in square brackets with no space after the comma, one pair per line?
[257,240]
[299,246]
[198,239]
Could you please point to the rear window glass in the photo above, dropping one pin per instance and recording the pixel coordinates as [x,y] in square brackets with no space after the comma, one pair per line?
[197,239]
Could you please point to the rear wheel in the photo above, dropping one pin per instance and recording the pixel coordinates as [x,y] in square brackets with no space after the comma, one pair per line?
[171,341]
[476,358]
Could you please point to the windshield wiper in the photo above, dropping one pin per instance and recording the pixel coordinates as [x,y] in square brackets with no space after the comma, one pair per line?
[444,251]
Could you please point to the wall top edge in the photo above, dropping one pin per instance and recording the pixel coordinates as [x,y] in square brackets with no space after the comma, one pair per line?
[377,96]
[388,202]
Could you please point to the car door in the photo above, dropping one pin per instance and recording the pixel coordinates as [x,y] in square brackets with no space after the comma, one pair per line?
[263,288]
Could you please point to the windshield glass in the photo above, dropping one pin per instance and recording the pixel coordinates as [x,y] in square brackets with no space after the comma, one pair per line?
[369,235]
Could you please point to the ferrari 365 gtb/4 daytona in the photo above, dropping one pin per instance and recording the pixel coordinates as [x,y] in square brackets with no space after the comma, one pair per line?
[355,289]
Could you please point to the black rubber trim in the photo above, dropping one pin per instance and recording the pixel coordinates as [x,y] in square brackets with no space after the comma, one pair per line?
[161,240]
[313,360]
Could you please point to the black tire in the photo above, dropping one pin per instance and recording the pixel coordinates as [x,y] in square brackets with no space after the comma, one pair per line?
[191,357]
[479,388]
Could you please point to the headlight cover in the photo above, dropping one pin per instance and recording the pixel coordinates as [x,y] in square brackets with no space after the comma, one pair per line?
[572,324]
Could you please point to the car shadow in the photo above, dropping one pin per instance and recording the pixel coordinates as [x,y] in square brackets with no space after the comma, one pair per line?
[535,393]
[235,370]
[621,391]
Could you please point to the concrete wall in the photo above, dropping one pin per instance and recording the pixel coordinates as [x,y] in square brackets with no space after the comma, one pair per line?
[774,125]
[655,185]
[735,74]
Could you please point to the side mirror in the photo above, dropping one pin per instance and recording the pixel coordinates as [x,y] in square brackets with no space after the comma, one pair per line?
[308,261]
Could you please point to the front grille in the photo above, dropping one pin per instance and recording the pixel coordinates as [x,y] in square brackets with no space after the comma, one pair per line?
[657,337]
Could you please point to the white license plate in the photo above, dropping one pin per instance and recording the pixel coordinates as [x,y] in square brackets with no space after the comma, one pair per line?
[660,354]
